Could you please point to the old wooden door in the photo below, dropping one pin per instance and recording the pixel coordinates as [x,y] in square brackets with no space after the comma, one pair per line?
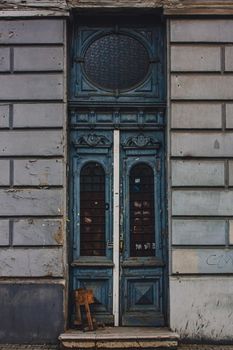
[117,197]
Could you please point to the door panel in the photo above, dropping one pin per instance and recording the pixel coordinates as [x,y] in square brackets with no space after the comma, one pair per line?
[99,279]
[87,149]
[92,217]
[142,297]
[142,258]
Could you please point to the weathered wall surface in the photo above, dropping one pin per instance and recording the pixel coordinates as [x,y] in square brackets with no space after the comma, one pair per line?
[201,122]
[32,180]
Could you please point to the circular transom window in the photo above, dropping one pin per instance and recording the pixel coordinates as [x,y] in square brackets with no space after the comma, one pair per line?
[116,62]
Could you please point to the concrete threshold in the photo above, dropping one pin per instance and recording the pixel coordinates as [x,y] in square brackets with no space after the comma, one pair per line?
[115,338]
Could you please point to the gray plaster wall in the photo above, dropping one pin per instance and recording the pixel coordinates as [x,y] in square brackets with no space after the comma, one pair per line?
[32,179]
[201,178]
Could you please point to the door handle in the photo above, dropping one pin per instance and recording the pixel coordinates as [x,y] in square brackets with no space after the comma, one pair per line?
[121,245]
[106,206]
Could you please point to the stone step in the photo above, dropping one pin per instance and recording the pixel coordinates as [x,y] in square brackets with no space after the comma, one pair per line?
[115,338]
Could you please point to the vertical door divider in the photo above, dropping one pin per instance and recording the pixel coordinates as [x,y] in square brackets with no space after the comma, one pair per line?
[116,225]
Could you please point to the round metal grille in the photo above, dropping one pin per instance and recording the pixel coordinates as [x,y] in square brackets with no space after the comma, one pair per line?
[116,62]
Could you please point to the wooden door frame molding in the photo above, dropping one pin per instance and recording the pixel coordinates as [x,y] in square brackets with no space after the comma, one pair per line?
[169,7]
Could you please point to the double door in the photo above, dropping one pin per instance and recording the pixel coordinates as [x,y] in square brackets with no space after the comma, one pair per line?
[118,223]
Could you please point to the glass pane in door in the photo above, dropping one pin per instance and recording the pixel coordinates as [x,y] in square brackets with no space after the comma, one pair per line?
[142,225]
[92,210]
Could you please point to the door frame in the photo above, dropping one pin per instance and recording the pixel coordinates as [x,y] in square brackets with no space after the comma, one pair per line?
[116,216]
[116,227]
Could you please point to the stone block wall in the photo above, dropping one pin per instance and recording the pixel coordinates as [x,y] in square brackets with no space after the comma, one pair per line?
[32,180]
[201,153]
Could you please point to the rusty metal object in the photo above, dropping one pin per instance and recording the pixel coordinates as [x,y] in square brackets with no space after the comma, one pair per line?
[83,297]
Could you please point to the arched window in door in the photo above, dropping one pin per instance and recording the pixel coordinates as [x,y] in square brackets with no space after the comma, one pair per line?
[142,217]
[92,210]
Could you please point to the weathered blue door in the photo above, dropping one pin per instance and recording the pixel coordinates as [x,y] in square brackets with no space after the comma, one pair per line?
[91,213]
[117,198]
[142,222]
